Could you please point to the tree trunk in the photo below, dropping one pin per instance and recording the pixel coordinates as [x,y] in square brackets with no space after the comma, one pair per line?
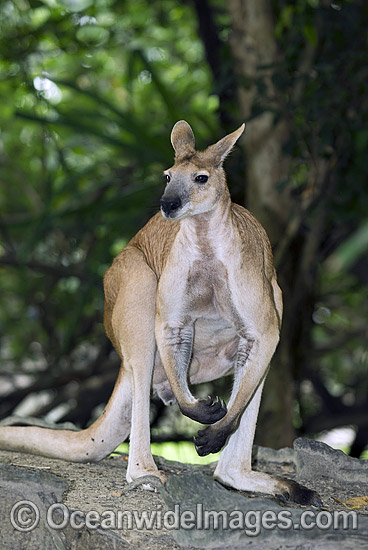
[256,57]
[255,54]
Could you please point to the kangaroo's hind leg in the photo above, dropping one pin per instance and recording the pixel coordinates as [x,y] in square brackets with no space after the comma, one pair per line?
[234,468]
[133,324]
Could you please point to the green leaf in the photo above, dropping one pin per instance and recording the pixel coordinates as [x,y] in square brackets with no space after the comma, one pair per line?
[310,33]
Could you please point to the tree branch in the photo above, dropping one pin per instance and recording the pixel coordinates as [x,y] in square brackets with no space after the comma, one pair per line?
[55,270]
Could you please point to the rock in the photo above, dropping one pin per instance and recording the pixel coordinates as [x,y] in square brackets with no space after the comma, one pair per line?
[280,456]
[177,516]
[219,518]
[26,497]
[315,459]
[146,483]
[33,421]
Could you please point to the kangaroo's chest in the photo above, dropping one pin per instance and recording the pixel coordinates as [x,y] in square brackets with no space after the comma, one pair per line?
[195,282]
[195,289]
[206,286]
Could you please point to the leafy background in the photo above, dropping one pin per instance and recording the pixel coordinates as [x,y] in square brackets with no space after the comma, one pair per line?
[89,92]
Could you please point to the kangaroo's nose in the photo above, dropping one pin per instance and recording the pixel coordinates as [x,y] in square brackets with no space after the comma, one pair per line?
[170,205]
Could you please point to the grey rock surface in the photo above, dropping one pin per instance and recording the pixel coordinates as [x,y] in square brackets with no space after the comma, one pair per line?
[192,512]
[34,492]
[314,458]
[247,521]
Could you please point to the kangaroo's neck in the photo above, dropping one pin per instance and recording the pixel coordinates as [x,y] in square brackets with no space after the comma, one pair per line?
[207,233]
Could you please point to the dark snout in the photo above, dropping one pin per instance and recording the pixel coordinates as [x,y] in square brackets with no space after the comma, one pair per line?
[170,205]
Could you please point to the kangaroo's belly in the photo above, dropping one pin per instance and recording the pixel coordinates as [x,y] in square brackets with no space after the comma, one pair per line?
[206,300]
[214,349]
[214,352]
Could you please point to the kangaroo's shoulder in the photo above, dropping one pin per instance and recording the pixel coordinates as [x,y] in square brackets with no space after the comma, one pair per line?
[253,235]
[155,240]
[247,224]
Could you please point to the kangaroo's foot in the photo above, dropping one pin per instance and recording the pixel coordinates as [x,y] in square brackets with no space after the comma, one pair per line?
[259,482]
[142,473]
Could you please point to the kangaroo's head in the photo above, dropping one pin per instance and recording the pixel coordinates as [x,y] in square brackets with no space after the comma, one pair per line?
[196,182]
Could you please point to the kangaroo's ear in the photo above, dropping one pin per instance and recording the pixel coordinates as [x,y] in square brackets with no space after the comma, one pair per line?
[222,148]
[182,139]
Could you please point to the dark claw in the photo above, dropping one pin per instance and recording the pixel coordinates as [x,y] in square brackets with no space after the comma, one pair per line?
[214,405]
[201,452]
[200,448]
[200,442]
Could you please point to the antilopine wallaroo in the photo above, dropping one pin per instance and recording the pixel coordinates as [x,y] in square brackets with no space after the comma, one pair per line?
[192,296]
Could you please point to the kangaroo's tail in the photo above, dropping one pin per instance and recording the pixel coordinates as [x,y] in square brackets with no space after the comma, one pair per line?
[89,445]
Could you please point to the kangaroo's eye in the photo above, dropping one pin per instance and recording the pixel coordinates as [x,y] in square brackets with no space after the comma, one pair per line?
[201,178]
[166,178]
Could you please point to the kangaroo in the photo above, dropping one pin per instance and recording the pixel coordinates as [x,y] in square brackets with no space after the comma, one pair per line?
[191,298]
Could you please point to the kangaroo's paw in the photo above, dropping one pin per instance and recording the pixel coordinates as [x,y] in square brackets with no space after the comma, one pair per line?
[210,440]
[206,411]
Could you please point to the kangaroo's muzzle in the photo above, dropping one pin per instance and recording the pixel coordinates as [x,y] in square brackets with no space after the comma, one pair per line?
[169,205]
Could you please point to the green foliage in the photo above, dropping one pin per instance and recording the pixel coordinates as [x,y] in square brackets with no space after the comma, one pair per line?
[330,123]
[182,451]
[88,94]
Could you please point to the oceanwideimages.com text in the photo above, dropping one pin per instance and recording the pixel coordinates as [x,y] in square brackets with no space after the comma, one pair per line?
[25,516]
